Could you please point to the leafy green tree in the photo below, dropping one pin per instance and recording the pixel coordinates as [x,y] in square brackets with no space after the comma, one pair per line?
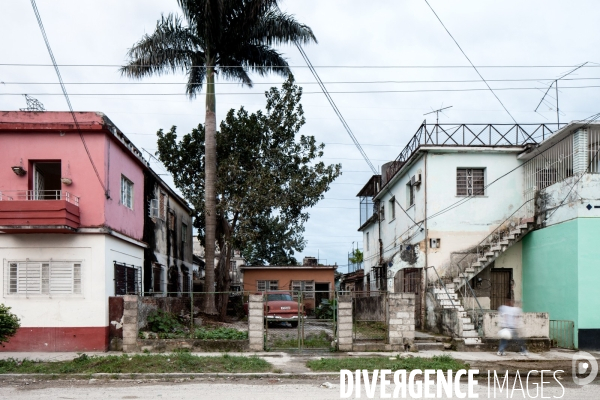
[9,323]
[267,176]
[356,257]
[219,37]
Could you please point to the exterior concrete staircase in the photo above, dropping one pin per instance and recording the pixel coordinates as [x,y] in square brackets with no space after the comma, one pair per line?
[482,256]
[447,298]
[491,248]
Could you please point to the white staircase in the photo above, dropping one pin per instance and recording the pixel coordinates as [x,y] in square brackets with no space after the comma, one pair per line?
[447,298]
[482,256]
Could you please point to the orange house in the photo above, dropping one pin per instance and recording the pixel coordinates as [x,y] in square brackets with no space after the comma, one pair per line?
[316,282]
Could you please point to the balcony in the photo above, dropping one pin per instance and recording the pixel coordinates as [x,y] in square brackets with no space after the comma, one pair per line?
[38,211]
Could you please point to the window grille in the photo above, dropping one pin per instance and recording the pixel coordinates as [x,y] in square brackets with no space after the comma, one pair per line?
[307,288]
[45,277]
[171,220]
[162,209]
[263,286]
[470,181]
[127,279]
[410,195]
[126,192]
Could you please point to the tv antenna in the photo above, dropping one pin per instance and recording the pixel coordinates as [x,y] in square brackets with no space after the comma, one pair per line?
[32,104]
[437,113]
[555,84]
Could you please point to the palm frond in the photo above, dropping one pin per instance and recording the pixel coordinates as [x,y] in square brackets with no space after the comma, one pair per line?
[234,70]
[276,27]
[261,59]
[169,48]
[196,75]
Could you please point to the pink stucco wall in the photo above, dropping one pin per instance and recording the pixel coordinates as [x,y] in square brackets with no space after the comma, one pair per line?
[52,136]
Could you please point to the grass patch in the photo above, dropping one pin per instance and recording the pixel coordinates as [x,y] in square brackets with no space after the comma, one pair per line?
[177,362]
[204,333]
[311,341]
[370,330]
[370,363]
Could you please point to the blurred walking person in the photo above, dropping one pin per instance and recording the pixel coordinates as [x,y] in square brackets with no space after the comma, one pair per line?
[511,322]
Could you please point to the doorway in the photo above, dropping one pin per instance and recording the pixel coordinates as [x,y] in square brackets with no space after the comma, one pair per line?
[501,290]
[321,292]
[46,180]
[411,283]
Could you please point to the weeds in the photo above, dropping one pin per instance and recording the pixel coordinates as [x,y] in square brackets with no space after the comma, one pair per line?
[443,363]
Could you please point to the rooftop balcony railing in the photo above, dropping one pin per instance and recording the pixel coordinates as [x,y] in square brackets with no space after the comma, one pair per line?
[32,195]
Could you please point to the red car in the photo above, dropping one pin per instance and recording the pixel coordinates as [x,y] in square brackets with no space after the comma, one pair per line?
[281,307]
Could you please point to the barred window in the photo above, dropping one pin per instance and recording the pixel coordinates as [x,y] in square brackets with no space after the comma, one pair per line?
[470,181]
[263,286]
[44,277]
[127,279]
[157,278]
[306,287]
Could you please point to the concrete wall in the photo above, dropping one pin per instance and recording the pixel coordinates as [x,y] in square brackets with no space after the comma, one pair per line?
[401,319]
[370,308]
[256,324]
[588,280]
[551,274]
[76,322]
[533,325]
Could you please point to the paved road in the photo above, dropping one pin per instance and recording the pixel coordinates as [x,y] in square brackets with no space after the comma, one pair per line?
[221,389]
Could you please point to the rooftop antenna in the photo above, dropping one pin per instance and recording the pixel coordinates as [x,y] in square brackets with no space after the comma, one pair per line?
[437,113]
[555,84]
[33,104]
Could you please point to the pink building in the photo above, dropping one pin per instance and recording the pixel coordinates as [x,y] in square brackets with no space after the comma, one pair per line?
[73,209]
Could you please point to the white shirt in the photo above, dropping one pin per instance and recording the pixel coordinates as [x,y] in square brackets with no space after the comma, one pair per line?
[510,317]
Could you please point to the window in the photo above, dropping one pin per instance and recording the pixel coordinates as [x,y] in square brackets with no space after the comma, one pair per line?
[368,246]
[470,182]
[127,279]
[306,287]
[171,221]
[126,192]
[157,278]
[153,209]
[184,232]
[410,194]
[263,286]
[393,207]
[434,243]
[52,277]
[382,212]
[187,283]
[162,206]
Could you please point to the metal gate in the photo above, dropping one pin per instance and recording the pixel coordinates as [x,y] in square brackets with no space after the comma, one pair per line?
[311,327]
[369,316]
[411,283]
[501,288]
[562,334]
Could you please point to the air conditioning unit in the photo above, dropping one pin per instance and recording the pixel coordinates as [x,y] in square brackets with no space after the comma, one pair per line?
[415,180]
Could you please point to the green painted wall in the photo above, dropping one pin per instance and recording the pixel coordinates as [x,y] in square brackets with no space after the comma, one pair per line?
[589,272]
[550,272]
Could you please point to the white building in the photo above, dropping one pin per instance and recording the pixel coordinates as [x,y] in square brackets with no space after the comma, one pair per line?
[450,211]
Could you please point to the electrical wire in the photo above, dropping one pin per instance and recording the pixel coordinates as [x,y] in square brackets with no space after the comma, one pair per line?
[330,92]
[314,66]
[470,62]
[64,92]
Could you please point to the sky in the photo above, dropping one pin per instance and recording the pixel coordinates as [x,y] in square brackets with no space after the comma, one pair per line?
[366,53]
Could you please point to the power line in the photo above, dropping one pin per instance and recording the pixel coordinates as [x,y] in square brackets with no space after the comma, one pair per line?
[64,90]
[468,59]
[330,92]
[306,66]
[311,83]
[334,106]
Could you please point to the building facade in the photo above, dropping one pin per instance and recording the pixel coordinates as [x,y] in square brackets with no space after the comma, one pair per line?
[462,208]
[73,226]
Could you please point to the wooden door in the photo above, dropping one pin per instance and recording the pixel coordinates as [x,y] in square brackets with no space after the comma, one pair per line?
[412,284]
[501,289]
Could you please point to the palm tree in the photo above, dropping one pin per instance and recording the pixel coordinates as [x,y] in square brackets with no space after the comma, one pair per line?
[220,37]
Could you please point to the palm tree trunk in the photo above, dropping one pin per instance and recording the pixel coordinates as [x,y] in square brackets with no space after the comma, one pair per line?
[210,200]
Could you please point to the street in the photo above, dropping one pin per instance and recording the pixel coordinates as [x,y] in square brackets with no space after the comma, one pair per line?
[234,389]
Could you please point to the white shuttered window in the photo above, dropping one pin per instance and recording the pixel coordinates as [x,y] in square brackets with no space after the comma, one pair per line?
[52,277]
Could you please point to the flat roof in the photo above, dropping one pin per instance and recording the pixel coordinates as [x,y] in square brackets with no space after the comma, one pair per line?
[289,267]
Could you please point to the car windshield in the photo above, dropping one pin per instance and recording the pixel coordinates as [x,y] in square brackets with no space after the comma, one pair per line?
[279,297]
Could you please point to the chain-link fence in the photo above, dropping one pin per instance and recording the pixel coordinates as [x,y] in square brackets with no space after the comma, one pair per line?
[369,316]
